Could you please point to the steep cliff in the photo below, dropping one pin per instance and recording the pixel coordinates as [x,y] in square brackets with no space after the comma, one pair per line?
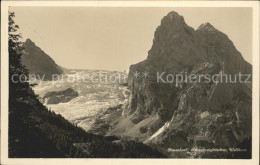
[188,114]
[38,62]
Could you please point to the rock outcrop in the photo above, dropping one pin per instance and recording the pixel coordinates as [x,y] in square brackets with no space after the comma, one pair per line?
[38,62]
[60,96]
[188,114]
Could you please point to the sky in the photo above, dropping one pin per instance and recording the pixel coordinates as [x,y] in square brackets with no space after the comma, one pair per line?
[111,38]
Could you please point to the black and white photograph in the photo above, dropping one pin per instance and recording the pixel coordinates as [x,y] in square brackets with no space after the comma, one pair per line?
[131,81]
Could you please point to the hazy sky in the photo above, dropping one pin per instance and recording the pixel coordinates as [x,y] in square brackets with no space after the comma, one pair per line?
[114,38]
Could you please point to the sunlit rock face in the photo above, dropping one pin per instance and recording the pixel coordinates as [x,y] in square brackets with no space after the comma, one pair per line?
[189,114]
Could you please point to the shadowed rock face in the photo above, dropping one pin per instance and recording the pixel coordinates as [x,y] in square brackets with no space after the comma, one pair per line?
[60,96]
[212,114]
[38,62]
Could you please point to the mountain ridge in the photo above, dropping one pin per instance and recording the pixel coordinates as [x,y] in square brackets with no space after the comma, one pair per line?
[38,62]
[180,116]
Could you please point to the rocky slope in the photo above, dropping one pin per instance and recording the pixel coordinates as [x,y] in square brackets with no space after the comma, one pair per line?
[60,96]
[38,62]
[188,114]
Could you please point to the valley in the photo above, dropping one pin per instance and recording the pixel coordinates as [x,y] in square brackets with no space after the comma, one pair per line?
[92,100]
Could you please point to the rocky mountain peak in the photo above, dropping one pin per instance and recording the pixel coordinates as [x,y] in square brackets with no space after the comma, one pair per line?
[29,42]
[173,20]
[174,15]
[38,62]
[206,27]
[172,31]
[177,49]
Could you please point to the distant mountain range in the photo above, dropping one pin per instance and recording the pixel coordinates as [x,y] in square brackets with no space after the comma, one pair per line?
[38,62]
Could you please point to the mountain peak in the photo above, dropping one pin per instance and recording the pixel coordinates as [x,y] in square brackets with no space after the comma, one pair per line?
[38,62]
[174,16]
[29,42]
[207,27]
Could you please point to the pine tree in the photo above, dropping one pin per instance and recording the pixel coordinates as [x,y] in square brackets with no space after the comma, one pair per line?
[15,48]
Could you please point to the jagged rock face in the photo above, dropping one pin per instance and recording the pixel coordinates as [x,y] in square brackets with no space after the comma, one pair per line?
[217,114]
[60,96]
[219,48]
[38,62]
